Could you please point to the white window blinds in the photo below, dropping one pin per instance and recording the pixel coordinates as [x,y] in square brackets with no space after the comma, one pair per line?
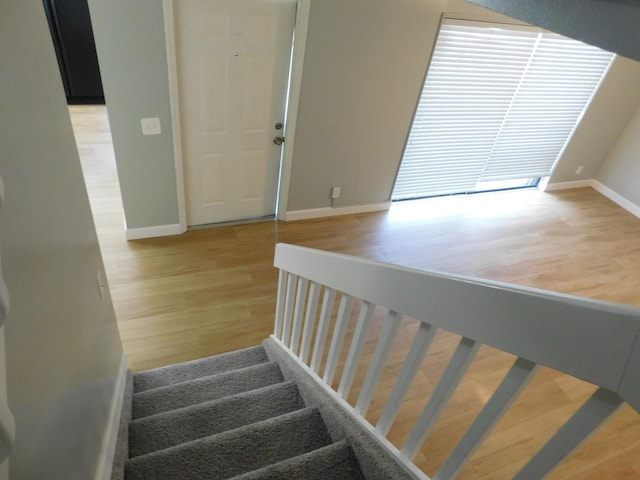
[499,103]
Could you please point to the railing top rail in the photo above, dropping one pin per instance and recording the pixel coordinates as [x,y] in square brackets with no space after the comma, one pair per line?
[590,339]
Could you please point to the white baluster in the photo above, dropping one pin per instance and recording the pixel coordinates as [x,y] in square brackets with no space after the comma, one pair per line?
[593,413]
[301,297]
[357,344]
[411,365]
[456,369]
[376,368]
[312,308]
[518,377]
[342,321]
[288,307]
[323,329]
[282,292]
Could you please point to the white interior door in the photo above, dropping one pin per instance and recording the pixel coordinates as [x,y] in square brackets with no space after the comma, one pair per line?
[233,61]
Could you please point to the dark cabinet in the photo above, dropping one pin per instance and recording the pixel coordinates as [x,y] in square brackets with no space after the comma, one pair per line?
[72,35]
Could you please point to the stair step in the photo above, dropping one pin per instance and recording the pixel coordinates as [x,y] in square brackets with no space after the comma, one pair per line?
[235,452]
[203,389]
[171,428]
[182,372]
[336,462]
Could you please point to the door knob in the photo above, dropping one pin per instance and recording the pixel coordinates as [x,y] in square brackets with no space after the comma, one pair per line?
[278,140]
[279,126]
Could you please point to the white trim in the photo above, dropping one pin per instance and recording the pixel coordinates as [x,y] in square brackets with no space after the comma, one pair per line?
[110,438]
[551,187]
[170,44]
[402,461]
[295,75]
[155,231]
[615,197]
[333,212]
[601,188]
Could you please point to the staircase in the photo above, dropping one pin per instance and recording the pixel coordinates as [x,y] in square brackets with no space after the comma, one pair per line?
[273,411]
[229,416]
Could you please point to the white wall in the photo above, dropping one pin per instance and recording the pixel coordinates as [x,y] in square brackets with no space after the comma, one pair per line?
[130,42]
[621,171]
[606,142]
[364,66]
[602,124]
[63,345]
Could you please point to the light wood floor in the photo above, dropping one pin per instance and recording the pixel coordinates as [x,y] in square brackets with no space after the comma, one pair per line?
[213,290]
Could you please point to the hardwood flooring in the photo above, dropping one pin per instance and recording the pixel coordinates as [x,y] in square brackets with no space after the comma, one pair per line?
[213,290]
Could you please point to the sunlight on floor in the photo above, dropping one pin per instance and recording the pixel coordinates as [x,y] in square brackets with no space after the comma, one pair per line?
[479,205]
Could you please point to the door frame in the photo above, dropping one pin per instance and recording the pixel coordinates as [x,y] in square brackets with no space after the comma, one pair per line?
[301,26]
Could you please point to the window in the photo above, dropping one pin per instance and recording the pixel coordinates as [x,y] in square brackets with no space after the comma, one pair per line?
[498,105]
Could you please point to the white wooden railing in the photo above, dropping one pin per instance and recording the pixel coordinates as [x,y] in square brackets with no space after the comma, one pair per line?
[594,341]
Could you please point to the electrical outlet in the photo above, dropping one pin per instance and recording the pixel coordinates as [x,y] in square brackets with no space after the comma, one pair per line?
[150,126]
[579,169]
[335,192]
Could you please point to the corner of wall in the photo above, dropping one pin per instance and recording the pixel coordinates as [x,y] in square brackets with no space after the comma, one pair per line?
[551,187]
[293,215]
[110,438]
[155,231]
[615,197]
[601,188]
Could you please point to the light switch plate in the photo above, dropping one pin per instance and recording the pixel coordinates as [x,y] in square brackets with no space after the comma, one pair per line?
[151,126]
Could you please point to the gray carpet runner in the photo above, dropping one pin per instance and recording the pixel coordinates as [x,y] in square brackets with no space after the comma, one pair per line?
[229,416]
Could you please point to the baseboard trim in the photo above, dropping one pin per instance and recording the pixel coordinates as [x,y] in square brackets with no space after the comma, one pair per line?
[615,197]
[105,462]
[567,185]
[157,231]
[601,188]
[333,212]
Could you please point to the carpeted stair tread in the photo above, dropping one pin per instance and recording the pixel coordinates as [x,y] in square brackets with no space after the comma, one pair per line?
[235,452]
[171,428]
[336,462]
[182,372]
[203,389]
